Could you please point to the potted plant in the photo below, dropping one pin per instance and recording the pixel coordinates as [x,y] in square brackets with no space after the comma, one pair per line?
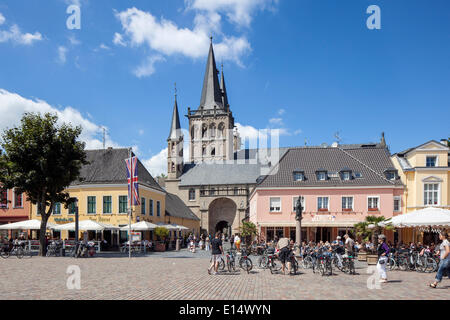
[248,231]
[370,229]
[161,234]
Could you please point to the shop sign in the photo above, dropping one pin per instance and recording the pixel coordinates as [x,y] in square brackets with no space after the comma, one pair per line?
[63,220]
[323,218]
[135,236]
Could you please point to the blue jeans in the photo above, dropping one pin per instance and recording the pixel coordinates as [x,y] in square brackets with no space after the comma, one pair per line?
[444,264]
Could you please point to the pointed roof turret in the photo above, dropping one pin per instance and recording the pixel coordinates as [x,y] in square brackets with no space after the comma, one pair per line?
[211,92]
[175,128]
[224,90]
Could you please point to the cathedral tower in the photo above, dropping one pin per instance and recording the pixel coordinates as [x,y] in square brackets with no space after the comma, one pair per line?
[175,146]
[211,125]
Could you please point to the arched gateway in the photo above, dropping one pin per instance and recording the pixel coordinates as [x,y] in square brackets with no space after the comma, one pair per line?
[221,215]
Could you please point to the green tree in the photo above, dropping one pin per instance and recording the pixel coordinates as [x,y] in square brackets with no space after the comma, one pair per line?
[362,228]
[161,233]
[248,230]
[42,158]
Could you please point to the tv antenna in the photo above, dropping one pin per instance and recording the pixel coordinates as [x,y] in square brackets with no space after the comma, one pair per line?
[337,135]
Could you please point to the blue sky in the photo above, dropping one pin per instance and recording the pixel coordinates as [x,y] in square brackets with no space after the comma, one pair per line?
[308,67]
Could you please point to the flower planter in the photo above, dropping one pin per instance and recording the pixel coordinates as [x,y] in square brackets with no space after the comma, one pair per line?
[160,247]
[362,256]
[372,259]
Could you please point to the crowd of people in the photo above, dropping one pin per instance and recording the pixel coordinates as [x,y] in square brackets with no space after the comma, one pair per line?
[345,247]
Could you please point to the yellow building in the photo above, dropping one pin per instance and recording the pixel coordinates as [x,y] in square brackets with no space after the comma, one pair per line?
[425,172]
[102,196]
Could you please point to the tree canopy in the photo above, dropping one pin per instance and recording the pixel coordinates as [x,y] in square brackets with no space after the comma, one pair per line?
[42,158]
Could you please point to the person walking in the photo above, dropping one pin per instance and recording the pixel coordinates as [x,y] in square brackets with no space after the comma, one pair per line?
[283,247]
[444,264]
[216,252]
[207,244]
[231,241]
[383,252]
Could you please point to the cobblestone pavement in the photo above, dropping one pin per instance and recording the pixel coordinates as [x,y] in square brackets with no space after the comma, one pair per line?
[183,275]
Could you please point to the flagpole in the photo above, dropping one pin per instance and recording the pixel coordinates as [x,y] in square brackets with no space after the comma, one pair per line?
[130,210]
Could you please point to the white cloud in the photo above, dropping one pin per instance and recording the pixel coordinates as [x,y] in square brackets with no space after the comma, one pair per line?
[147,68]
[276,121]
[16,36]
[2,19]
[118,40]
[297,132]
[239,12]
[62,52]
[157,164]
[281,112]
[248,132]
[12,107]
[104,46]
[74,41]
[165,38]
[141,132]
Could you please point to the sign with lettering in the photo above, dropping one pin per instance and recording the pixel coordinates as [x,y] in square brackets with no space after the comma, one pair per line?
[323,218]
[135,236]
[63,220]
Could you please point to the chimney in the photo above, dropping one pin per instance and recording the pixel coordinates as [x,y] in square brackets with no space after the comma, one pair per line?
[444,142]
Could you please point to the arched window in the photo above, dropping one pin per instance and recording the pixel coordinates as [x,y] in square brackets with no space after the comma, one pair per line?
[204,150]
[213,151]
[212,130]
[221,128]
[193,132]
[173,167]
[192,194]
[204,131]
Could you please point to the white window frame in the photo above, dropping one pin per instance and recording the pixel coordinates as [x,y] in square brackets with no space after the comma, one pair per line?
[346,176]
[302,175]
[353,202]
[270,204]
[295,202]
[328,203]
[321,173]
[378,203]
[438,194]
[118,205]
[399,198]
[436,164]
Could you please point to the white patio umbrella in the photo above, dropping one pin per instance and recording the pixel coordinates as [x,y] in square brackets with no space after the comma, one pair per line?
[140,226]
[26,225]
[428,217]
[167,226]
[86,225]
[179,227]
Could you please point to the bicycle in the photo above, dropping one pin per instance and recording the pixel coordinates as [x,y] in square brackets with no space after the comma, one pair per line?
[274,263]
[244,262]
[231,261]
[348,264]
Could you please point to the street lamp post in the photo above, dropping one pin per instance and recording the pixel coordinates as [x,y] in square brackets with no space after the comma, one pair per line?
[298,224]
[75,203]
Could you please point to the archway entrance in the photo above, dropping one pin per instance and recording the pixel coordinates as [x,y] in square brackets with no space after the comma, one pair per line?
[221,215]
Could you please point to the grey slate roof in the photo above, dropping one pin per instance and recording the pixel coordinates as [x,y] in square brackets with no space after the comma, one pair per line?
[175,124]
[108,167]
[369,161]
[211,92]
[175,207]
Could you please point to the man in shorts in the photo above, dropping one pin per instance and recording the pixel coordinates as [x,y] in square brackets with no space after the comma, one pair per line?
[216,252]
[283,246]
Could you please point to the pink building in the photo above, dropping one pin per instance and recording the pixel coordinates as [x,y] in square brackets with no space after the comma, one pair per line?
[339,186]
[14,207]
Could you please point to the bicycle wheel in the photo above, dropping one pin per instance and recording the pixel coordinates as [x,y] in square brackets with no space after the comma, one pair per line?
[420,264]
[294,266]
[4,254]
[321,268]
[221,264]
[307,262]
[262,262]
[337,263]
[403,264]
[275,265]
[19,253]
[431,265]
[247,265]
[391,264]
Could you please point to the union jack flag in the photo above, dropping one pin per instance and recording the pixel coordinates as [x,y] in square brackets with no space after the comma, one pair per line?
[132,167]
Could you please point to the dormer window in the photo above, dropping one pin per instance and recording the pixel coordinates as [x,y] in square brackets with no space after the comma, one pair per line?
[346,174]
[391,174]
[431,161]
[321,175]
[299,176]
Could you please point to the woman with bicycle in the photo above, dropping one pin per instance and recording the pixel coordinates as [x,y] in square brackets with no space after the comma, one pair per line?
[444,264]
[383,252]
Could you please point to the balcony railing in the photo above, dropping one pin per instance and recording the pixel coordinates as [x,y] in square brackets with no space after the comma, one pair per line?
[218,192]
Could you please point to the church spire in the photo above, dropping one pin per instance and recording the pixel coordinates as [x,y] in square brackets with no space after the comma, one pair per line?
[175,128]
[223,88]
[211,92]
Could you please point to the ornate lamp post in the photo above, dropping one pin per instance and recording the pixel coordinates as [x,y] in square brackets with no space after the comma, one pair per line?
[298,224]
